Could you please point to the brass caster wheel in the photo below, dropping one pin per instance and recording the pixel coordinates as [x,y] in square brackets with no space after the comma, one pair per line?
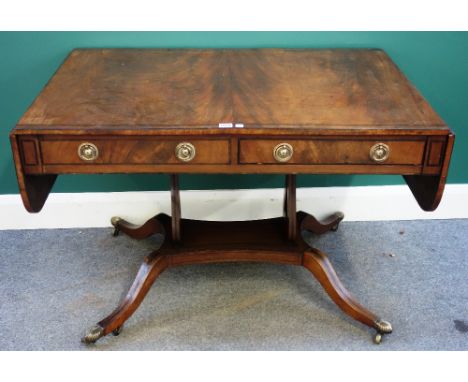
[378,338]
[93,335]
[115,222]
[382,327]
[335,228]
[117,331]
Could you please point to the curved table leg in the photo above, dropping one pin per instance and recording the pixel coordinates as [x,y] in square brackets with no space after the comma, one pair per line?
[151,227]
[310,223]
[153,265]
[317,263]
[199,247]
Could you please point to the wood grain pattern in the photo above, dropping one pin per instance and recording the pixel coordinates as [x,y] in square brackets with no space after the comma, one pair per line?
[143,150]
[317,263]
[324,87]
[152,266]
[29,151]
[206,131]
[258,87]
[328,151]
[311,224]
[253,241]
[34,189]
[428,189]
[101,87]
[149,228]
[229,169]
[137,104]
[176,212]
[435,151]
[290,205]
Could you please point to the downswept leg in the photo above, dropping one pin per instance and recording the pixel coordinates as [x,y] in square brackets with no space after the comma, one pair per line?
[151,227]
[311,224]
[153,265]
[317,263]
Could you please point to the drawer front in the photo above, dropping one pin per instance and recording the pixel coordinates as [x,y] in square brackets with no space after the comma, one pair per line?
[135,151]
[324,151]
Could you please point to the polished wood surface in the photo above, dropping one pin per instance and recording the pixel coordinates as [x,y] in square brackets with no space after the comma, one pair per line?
[290,205]
[151,227]
[145,150]
[259,111]
[428,189]
[320,266]
[175,208]
[150,269]
[254,241]
[311,224]
[137,105]
[332,151]
[278,88]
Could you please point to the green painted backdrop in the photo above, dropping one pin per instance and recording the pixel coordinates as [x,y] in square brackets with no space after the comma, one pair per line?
[437,63]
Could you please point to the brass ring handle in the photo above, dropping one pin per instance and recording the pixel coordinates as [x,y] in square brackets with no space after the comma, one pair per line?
[283,152]
[185,151]
[88,151]
[379,152]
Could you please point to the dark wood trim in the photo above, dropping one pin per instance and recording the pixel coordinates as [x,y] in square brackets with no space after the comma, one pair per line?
[152,266]
[290,205]
[175,208]
[428,189]
[250,131]
[34,189]
[311,224]
[29,154]
[139,232]
[234,169]
[176,94]
[207,256]
[319,265]
[216,242]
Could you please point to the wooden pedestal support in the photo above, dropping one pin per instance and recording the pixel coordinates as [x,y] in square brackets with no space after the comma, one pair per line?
[277,240]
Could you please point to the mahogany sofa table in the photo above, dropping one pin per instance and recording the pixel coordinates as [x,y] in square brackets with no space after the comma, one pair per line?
[257,111]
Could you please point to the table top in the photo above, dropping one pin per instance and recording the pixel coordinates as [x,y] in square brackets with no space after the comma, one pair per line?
[275,111]
[203,88]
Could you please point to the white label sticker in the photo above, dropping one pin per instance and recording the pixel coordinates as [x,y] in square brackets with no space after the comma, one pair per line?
[225,125]
[239,125]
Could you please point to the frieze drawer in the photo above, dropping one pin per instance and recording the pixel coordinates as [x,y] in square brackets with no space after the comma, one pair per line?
[327,151]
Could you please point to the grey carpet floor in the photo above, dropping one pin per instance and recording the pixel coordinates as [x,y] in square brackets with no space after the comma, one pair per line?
[56,283]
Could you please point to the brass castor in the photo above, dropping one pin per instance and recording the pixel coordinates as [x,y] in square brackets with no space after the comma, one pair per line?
[117,331]
[383,327]
[93,335]
[115,222]
[378,338]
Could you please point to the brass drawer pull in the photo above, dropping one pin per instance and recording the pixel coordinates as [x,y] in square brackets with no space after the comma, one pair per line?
[283,152]
[88,151]
[185,151]
[379,152]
